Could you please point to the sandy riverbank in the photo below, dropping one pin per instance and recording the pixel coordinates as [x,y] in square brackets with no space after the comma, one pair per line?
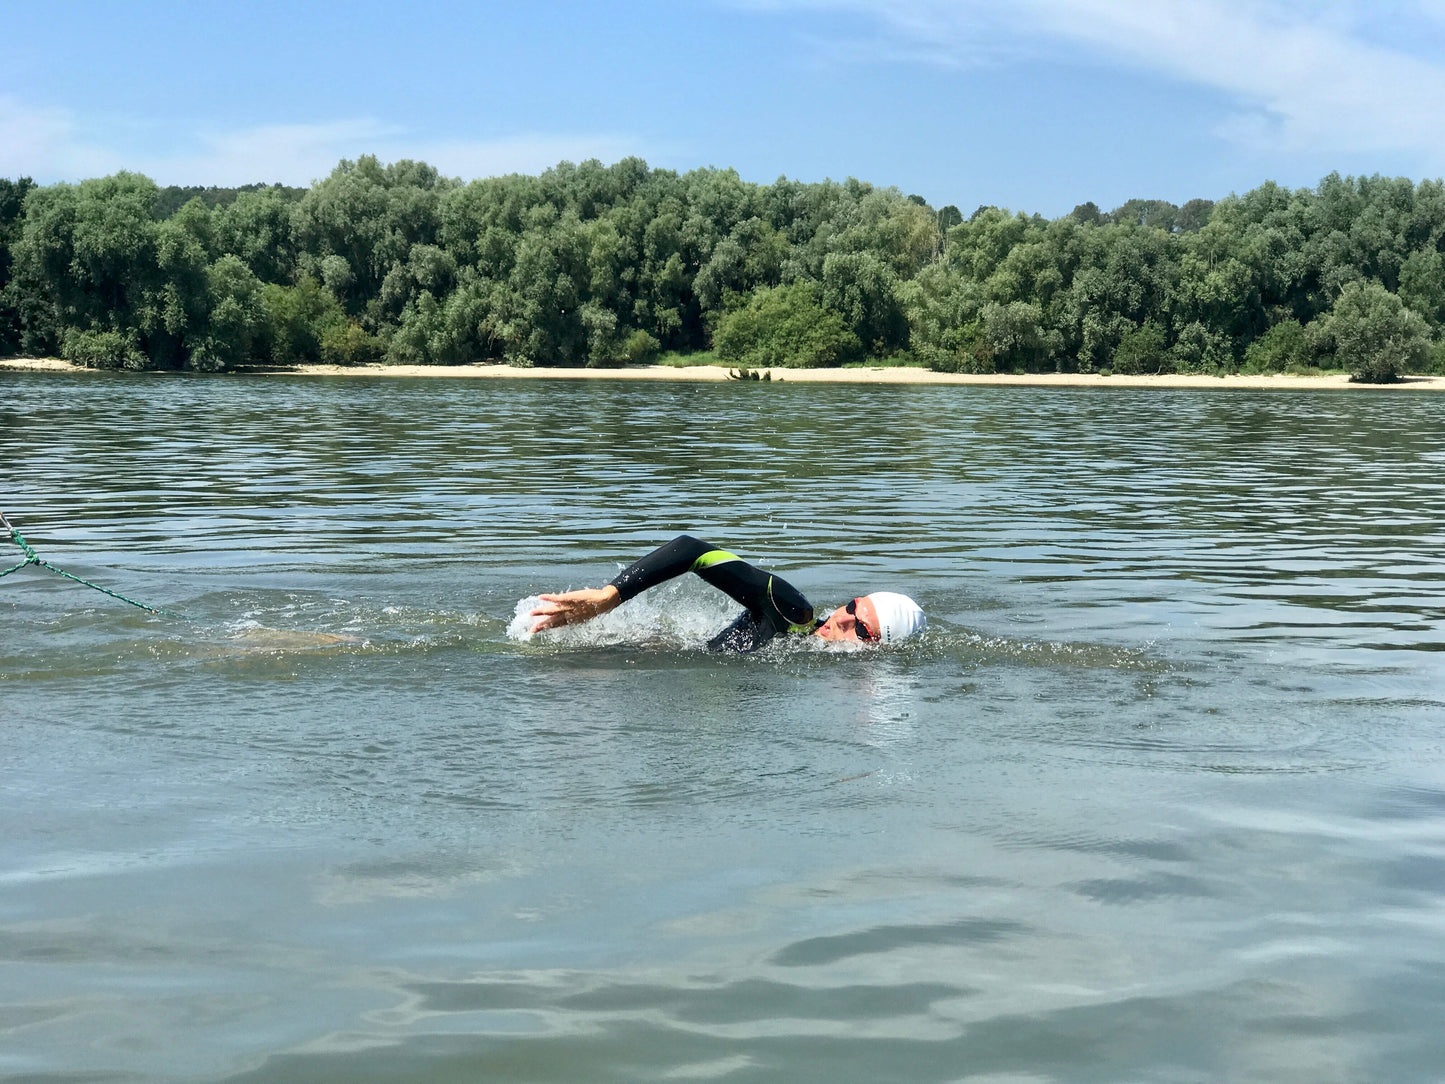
[703,373]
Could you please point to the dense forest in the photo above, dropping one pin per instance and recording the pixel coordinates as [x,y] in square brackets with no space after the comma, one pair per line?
[603,265]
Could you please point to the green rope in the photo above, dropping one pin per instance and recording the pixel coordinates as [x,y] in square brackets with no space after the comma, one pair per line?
[33,558]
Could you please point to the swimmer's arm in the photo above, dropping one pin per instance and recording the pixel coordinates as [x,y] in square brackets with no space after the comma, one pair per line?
[574,607]
[747,584]
[759,591]
[663,563]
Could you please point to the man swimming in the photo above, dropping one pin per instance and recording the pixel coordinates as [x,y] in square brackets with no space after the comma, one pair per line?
[773,605]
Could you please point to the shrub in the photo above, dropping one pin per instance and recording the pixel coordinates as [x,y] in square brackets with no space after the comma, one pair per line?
[639,348]
[102,350]
[785,326]
[349,344]
[1280,348]
[974,356]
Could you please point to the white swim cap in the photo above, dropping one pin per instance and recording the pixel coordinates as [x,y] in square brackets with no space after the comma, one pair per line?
[899,617]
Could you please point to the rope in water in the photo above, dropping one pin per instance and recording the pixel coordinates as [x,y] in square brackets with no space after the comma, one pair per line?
[33,558]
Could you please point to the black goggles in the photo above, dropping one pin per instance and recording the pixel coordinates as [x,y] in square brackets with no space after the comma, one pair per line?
[864,633]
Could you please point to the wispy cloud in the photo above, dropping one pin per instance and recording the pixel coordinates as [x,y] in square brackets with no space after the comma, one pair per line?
[51,144]
[1306,75]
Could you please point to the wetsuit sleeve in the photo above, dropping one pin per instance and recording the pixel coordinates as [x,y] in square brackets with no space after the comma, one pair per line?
[662,564]
[767,597]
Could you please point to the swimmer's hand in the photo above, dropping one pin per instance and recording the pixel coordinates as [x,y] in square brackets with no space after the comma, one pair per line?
[574,607]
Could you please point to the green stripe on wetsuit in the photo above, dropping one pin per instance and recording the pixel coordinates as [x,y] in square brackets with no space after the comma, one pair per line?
[713,557]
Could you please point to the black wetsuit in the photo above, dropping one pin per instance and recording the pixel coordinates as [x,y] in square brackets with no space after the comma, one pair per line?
[773,604]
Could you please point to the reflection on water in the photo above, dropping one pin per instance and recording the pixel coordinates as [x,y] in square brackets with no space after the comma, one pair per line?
[1157,796]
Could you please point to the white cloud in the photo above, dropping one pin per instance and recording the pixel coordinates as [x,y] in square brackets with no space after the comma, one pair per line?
[44,143]
[1309,75]
[301,153]
[50,145]
[289,153]
[1319,88]
[522,154]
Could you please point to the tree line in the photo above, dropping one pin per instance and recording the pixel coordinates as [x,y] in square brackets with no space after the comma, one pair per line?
[603,265]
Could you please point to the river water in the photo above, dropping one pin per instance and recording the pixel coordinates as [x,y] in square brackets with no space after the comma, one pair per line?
[1159,796]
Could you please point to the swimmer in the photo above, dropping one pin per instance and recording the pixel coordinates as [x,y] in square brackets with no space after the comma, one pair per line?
[773,605]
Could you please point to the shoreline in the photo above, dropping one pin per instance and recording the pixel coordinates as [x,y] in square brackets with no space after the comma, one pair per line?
[717,373]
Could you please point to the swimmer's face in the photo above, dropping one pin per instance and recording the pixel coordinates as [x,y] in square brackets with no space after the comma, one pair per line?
[855,621]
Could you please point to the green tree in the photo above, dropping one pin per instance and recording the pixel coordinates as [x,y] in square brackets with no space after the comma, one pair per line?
[257,227]
[1015,336]
[296,319]
[87,261]
[236,322]
[1140,350]
[751,256]
[177,322]
[1422,284]
[367,216]
[863,290]
[1152,213]
[592,264]
[1200,349]
[1193,215]
[938,303]
[604,346]
[12,210]
[639,348]
[541,321]
[978,246]
[1373,335]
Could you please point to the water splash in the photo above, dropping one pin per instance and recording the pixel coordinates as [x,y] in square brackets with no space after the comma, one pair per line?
[676,615]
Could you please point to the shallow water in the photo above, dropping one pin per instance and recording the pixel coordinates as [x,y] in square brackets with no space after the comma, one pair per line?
[1159,796]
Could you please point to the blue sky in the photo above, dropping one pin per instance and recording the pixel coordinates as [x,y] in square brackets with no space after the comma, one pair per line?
[1031,104]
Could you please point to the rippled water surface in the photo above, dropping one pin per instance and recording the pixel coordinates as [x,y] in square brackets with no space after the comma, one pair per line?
[1159,796]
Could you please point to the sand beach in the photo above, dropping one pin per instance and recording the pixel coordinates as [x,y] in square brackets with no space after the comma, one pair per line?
[861,375]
